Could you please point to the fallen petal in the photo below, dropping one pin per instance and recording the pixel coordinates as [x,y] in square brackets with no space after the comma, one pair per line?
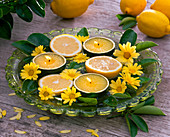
[12,118]
[31,116]
[18,109]
[18,116]
[0,110]
[20,132]
[0,115]
[38,123]
[90,130]
[65,131]
[4,113]
[44,118]
[12,94]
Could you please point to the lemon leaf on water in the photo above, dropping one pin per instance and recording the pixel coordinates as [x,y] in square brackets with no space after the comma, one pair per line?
[146,62]
[145,45]
[29,86]
[110,101]
[83,32]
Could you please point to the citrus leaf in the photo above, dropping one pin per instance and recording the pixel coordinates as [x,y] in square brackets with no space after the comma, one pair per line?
[41,3]
[149,110]
[129,24]
[39,39]
[137,106]
[120,95]
[131,125]
[24,13]
[83,32]
[91,101]
[128,36]
[145,45]
[126,20]
[5,29]
[150,101]
[146,62]
[29,86]
[144,80]
[5,9]
[22,1]
[24,46]
[110,101]
[9,19]
[140,122]
[28,59]
[122,16]
[75,65]
[1,13]
[36,7]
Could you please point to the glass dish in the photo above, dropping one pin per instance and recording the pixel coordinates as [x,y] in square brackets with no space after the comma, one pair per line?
[154,72]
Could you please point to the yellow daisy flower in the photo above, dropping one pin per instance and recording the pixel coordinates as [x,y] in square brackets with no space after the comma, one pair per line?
[80,58]
[118,86]
[134,82]
[70,95]
[133,69]
[82,38]
[38,50]
[126,54]
[70,74]
[45,93]
[30,71]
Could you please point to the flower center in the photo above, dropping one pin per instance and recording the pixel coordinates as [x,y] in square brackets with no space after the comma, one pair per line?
[132,71]
[127,55]
[72,96]
[31,72]
[71,75]
[46,94]
[119,89]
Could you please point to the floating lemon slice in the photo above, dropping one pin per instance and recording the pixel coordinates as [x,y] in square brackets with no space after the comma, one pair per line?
[105,65]
[66,45]
[56,82]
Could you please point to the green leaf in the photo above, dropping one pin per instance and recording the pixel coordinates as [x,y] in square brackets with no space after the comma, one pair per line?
[83,32]
[1,13]
[22,1]
[144,80]
[137,106]
[110,101]
[120,95]
[118,115]
[41,3]
[145,45]
[24,46]
[36,7]
[28,59]
[122,16]
[75,65]
[131,125]
[24,13]
[9,19]
[91,101]
[128,36]
[29,86]
[150,101]
[5,9]
[126,20]
[39,39]
[5,29]
[149,110]
[129,24]
[140,122]
[147,61]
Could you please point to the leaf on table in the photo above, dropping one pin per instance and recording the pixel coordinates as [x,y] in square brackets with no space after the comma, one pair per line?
[150,101]
[137,106]
[128,36]
[36,7]
[41,3]
[29,86]
[83,32]
[149,110]
[122,16]
[24,13]
[129,24]
[126,20]
[24,46]
[147,61]
[131,125]
[140,122]
[5,29]
[145,45]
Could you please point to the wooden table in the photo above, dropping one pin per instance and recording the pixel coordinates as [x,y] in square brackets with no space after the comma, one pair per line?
[101,14]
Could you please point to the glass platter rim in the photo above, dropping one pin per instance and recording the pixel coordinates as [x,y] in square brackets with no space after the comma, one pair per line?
[74,112]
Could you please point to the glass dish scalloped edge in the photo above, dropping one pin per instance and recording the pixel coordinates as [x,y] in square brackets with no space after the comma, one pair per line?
[153,71]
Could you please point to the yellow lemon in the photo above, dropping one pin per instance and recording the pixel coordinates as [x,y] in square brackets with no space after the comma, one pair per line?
[132,7]
[162,6]
[70,8]
[153,23]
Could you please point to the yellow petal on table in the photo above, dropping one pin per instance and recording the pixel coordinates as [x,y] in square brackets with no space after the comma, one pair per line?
[31,116]
[95,133]
[65,131]
[12,94]
[16,109]
[44,118]
[12,118]
[18,116]
[90,130]
[4,113]
[38,123]
[20,132]
[0,110]
[0,115]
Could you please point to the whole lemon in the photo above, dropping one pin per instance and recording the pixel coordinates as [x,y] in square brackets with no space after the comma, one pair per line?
[132,7]
[70,8]
[153,23]
[162,6]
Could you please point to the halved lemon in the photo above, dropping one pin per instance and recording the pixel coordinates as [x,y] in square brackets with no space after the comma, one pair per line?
[66,45]
[105,65]
[56,82]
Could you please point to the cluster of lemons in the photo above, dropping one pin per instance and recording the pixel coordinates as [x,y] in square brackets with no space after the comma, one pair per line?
[153,22]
